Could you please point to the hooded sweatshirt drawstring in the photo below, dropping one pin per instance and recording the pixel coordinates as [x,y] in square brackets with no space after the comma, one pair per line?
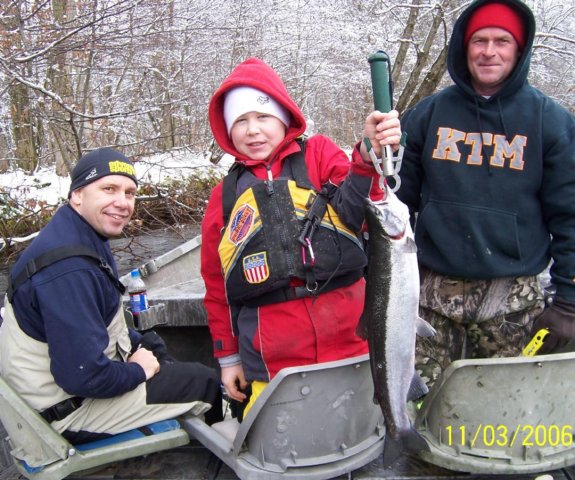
[502,119]
[480,129]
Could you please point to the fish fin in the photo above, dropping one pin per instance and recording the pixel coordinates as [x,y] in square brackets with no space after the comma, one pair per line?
[423,328]
[361,329]
[410,246]
[408,442]
[417,388]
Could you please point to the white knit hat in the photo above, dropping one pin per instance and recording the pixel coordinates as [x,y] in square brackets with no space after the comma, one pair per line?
[242,100]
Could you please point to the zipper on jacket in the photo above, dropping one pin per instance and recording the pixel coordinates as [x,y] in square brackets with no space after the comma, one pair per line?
[279,219]
[270,181]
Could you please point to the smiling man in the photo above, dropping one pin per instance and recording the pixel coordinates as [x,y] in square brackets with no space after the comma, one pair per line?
[495,37]
[489,167]
[103,191]
[64,343]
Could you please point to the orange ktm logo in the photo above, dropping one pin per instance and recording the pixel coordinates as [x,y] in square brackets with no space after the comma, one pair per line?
[502,153]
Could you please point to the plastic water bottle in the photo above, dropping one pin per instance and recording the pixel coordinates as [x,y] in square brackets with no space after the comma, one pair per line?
[138,294]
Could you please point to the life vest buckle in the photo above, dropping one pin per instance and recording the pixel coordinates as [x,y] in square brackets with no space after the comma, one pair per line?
[309,249]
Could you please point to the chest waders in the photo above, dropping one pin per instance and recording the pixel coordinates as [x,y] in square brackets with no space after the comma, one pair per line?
[65,407]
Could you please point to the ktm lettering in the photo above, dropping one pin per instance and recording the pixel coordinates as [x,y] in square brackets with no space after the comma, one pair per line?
[449,141]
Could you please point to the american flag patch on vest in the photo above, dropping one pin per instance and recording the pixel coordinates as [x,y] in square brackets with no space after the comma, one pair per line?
[256,268]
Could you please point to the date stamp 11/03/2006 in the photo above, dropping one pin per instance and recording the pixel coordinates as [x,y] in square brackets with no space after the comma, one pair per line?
[503,436]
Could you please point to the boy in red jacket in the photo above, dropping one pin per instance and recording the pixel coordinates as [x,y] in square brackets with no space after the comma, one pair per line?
[283,289]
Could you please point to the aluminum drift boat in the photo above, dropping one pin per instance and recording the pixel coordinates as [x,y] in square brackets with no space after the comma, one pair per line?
[488,416]
[175,288]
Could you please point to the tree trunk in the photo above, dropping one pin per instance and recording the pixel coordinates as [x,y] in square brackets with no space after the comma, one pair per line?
[22,131]
[62,134]
[432,80]
[407,34]
[19,95]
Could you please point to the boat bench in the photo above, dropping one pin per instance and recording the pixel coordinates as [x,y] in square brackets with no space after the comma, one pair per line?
[41,453]
[311,422]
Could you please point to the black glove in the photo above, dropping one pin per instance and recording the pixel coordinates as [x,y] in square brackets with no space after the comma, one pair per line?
[153,342]
[559,318]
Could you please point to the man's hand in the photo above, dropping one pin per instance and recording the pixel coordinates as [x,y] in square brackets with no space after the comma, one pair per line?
[559,318]
[153,342]
[381,129]
[147,360]
[234,381]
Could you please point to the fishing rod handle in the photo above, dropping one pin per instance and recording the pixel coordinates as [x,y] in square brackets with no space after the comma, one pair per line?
[380,69]
[380,80]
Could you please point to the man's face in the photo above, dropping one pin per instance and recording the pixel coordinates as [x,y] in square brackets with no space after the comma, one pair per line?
[492,54]
[107,204]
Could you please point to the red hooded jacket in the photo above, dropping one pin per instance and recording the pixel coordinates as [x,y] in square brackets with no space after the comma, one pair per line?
[302,331]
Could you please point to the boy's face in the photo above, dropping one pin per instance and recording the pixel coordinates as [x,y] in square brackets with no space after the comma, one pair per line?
[256,135]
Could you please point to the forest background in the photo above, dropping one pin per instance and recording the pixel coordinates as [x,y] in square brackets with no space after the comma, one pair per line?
[138,74]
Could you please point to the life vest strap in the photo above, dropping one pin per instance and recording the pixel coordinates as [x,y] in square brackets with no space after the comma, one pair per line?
[292,293]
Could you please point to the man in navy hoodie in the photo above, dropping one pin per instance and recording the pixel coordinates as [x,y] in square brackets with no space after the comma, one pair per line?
[489,168]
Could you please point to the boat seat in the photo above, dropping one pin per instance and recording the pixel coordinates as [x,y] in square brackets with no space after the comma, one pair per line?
[310,422]
[39,452]
[501,415]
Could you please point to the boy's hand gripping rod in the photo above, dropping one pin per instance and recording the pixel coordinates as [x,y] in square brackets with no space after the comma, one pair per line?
[382,94]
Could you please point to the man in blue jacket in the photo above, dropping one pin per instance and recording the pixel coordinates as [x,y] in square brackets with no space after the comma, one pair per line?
[64,344]
[489,168]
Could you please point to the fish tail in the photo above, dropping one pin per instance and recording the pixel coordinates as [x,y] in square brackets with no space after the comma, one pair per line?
[407,442]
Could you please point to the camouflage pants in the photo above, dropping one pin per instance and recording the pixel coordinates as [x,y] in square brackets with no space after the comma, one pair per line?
[474,319]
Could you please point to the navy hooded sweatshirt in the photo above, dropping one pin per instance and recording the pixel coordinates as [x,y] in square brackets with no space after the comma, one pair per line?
[499,209]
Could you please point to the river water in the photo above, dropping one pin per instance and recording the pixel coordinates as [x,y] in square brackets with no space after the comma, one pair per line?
[131,252]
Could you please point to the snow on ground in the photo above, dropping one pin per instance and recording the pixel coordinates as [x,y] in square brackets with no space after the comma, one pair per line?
[45,185]
[177,165]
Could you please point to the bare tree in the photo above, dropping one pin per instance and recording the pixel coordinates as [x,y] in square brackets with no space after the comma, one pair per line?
[138,74]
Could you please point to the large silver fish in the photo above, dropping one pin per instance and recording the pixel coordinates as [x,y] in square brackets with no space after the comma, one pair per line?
[390,321]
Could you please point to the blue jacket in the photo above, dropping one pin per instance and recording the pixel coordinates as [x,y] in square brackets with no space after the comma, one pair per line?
[68,305]
[504,208]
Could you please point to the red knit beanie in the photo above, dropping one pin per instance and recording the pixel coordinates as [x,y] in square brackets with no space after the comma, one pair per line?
[497,15]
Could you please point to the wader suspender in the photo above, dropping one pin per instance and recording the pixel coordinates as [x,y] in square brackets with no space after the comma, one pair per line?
[52,256]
